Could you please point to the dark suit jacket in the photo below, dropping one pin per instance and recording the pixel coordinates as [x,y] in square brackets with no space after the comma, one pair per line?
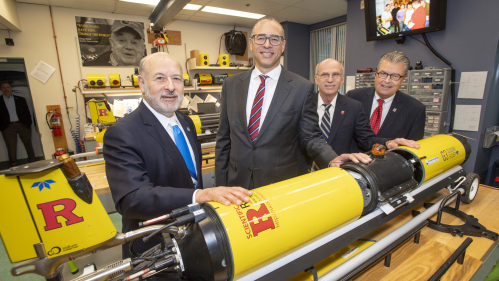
[147,174]
[350,124]
[289,132]
[406,116]
[22,111]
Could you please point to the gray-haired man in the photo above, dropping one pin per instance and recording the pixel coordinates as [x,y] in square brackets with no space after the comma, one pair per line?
[393,114]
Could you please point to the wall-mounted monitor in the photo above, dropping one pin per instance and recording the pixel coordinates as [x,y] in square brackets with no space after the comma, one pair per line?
[387,19]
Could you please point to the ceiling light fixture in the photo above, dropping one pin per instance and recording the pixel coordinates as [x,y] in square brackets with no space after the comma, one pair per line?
[147,2]
[193,7]
[228,12]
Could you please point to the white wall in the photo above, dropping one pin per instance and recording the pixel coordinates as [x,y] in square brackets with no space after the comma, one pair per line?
[36,43]
[8,15]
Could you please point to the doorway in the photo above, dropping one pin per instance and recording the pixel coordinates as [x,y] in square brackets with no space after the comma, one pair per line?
[13,71]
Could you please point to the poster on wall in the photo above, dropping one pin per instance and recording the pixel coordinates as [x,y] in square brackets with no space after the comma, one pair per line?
[109,42]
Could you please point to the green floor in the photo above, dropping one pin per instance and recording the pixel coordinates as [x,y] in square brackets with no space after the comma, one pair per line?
[6,265]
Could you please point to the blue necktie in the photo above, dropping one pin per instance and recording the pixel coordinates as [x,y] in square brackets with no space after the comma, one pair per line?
[325,126]
[184,150]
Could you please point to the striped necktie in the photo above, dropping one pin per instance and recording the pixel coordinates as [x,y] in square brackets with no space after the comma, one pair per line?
[375,121]
[256,110]
[326,122]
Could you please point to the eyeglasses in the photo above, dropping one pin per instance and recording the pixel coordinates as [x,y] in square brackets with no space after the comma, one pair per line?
[326,76]
[260,39]
[394,76]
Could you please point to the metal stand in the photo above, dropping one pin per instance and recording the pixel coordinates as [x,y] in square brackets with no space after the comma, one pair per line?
[471,227]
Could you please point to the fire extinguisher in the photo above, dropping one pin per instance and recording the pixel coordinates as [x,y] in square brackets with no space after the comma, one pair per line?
[55,123]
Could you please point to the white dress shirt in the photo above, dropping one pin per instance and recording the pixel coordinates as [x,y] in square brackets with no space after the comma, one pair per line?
[321,108]
[386,107]
[168,123]
[270,86]
[11,107]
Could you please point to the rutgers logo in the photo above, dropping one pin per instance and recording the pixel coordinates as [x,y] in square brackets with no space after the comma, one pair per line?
[50,215]
[261,224]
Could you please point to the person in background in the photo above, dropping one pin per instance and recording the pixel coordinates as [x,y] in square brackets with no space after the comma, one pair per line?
[386,17]
[268,120]
[342,119]
[127,45]
[395,22]
[393,114]
[418,18]
[153,157]
[15,119]
[408,14]
[400,17]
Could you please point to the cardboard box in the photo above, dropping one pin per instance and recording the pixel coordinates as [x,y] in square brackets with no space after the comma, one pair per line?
[195,54]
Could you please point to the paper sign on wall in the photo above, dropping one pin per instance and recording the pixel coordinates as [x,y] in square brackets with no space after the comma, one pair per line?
[42,72]
[472,85]
[467,117]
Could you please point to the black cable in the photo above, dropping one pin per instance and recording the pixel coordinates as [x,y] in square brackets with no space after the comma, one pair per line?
[452,85]
[417,40]
[8,30]
[145,239]
[435,52]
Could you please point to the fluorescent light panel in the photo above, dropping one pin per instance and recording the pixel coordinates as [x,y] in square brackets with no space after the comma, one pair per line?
[228,12]
[148,2]
[193,7]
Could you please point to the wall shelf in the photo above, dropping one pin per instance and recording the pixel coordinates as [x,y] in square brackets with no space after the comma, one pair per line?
[191,64]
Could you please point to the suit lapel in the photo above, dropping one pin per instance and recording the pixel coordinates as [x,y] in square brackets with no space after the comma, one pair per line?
[392,113]
[158,132]
[368,102]
[280,95]
[241,98]
[338,117]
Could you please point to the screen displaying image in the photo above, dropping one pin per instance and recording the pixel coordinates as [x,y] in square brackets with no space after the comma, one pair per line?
[396,16]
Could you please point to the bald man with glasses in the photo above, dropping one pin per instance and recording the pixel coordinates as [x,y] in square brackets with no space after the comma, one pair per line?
[268,120]
[393,114]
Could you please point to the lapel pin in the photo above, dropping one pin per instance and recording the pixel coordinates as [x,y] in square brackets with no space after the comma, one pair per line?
[342,112]
[188,129]
[394,110]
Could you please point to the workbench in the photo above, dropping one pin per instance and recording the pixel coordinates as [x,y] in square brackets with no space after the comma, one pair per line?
[413,261]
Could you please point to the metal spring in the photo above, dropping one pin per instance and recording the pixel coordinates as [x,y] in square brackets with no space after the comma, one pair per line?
[76,133]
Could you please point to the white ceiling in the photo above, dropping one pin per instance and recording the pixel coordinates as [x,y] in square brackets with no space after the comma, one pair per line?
[299,11]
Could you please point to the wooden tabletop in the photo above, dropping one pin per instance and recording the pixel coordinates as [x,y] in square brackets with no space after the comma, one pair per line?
[96,173]
[412,261]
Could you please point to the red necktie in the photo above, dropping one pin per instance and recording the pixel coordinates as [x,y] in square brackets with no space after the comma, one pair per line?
[256,110]
[376,117]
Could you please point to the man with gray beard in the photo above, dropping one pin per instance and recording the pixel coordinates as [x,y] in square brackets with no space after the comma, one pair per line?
[153,157]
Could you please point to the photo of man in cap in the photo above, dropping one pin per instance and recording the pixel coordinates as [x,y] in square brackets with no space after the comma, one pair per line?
[127,45]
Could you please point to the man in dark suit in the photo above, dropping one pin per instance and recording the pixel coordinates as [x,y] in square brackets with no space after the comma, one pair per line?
[153,158]
[15,119]
[393,113]
[268,120]
[342,119]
